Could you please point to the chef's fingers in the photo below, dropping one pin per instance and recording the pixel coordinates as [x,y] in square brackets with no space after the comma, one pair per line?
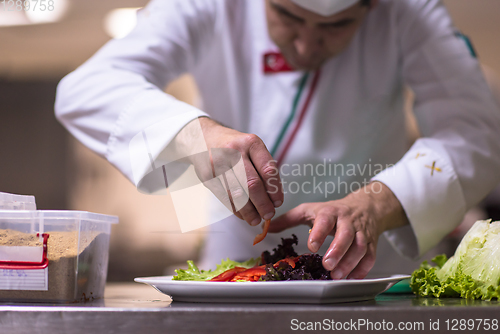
[238,194]
[240,199]
[300,215]
[203,165]
[258,196]
[204,168]
[228,165]
[250,214]
[218,188]
[268,171]
[343,239]
[324,224]
[352,258]
[366,264]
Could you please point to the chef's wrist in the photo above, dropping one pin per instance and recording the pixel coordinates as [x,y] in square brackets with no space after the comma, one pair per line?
[390,212]
[384,206]
[192,138]
[207,123]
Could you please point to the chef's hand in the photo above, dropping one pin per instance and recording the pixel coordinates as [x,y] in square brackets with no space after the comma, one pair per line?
[356,223]
[226,147]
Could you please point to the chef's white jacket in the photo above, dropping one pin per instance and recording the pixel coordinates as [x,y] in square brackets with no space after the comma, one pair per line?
[355,117]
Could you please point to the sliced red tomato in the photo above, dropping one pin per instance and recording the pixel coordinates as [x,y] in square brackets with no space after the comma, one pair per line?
[289,260]
[252,274]
[261,236]
[227,275]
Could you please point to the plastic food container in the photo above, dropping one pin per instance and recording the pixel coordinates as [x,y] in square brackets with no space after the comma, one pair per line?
[53,256]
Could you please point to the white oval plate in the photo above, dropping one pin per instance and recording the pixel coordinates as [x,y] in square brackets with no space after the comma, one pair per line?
[296,292]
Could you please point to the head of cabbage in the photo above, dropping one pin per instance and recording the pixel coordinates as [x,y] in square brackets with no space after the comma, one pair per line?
[473,272]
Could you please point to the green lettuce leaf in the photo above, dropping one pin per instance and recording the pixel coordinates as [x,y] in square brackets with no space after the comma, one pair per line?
[195,274]
[472,273]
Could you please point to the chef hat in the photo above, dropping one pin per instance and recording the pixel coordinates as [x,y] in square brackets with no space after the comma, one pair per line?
[325,7]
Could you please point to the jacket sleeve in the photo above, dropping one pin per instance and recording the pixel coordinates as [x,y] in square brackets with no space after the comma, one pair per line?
[111,100]
[457,161]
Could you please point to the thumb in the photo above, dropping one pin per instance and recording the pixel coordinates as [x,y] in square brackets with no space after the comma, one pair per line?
[296,216]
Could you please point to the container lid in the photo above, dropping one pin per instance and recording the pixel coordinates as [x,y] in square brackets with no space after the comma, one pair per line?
[61,215]
[24,207]
[16,202]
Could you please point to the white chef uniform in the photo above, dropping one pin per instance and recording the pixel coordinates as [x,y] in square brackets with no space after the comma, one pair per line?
[354,116]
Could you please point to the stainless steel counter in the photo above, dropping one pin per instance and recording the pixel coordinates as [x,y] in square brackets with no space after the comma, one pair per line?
[137,308]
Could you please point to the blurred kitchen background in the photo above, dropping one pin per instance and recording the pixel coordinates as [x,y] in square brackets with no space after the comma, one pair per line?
[38,157]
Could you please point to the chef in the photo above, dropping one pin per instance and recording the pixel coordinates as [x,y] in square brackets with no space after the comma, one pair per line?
[310,93]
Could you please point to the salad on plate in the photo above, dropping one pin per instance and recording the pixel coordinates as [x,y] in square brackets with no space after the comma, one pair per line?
[284,264]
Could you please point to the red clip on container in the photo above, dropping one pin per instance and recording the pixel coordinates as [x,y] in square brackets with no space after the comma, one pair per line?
[27,265]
